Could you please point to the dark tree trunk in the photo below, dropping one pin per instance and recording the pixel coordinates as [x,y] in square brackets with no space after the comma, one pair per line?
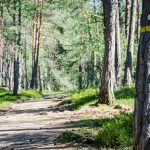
[107,83]
[16,58]
[36,47]
[142,101]
[129,58]
[80,72]
[40,80]
[117,49]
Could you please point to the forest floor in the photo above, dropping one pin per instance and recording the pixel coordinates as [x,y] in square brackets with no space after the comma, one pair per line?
[34,125]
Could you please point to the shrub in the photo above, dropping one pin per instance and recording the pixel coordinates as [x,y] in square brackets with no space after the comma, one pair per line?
[116,132]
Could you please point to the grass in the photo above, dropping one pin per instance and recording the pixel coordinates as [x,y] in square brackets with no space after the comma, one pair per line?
[108,132]
[85,97]
[125,95]
[7,98]
[114,132]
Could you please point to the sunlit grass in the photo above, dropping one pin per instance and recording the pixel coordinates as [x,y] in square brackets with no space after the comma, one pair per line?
[84,97]
[7,98]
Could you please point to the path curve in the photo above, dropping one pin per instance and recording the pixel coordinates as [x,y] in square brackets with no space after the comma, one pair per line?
[34,125]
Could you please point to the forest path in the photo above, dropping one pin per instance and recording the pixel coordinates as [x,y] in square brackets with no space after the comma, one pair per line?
[34,125]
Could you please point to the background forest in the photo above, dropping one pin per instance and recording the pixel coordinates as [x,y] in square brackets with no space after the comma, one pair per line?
[82,54]
[58,45]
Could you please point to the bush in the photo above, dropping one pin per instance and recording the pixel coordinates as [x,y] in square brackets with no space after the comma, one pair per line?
[69,136]
[117,132]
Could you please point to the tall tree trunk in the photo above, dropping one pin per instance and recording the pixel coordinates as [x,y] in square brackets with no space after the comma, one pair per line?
[91,47]
[129,58]
[142,101]
[117,49]
[1,43]
[19,47]
[38,23]
[107,83]
[16,58]
[127,18]
[80,72]
[40,80]
[138,19]
[25,62]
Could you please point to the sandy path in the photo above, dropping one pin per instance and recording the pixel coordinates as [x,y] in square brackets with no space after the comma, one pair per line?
[34,125]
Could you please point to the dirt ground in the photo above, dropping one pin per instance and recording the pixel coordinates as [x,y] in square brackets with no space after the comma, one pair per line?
[34,125]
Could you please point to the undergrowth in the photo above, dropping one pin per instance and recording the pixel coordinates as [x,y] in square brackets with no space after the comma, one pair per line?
[84,97]
[108,132]
[111,132]
[7,98]
[123,95]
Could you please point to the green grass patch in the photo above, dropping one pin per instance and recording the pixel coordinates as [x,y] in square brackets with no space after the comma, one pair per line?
[117,132]
[7,98]
[84,97]
[123,95]
[114,132]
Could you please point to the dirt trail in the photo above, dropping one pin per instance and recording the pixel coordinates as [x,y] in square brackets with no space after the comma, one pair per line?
[34,125]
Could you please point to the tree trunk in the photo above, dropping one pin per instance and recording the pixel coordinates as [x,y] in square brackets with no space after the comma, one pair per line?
[129,58]
[80,72]
[36,47]
[138,19]
[16,58]
[107,83]
[25,61]
[1,43]
[127,18]
[40,80]
[117,49]
[142,101]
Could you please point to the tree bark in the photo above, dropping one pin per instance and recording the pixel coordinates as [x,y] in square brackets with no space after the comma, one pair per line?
[127,18]
[117,49]
[129,58]
[138,19]
[142,100]
[1,43]
[36,47]
[16,58]
[107,83]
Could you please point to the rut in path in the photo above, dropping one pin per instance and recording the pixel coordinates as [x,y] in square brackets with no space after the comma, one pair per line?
[35,124]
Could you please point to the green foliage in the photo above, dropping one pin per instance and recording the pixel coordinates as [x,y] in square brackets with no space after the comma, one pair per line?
[30,94]
[7,98]
[84,97]
[69,136]
[114,132]
[125,95]
[117,132]
[125,92]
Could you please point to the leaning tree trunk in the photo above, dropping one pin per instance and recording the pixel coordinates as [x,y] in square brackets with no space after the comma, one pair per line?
[129,58]
[142,101]
[107,83]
